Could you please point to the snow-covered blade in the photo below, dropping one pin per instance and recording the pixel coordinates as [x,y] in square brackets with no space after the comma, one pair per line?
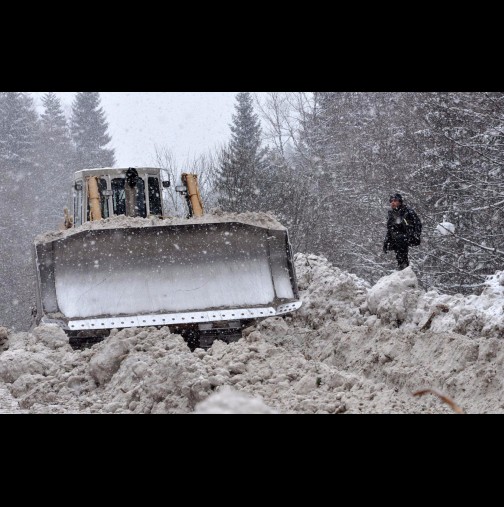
[89,278]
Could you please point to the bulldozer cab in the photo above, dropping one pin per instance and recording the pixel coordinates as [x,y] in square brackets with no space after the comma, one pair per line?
[106,192]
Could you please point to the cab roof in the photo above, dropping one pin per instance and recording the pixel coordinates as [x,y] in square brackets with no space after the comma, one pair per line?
[115,171]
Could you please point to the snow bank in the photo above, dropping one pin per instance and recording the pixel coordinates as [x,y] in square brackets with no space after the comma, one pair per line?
[351,348]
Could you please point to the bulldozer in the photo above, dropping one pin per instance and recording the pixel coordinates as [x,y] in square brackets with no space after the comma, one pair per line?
[121,261]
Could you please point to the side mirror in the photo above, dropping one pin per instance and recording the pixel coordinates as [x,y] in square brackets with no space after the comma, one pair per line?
[166,184]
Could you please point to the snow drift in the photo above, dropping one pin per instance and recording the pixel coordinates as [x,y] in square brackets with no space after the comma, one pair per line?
[351,348]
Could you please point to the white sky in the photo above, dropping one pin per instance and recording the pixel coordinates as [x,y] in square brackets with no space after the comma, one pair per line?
[188,123]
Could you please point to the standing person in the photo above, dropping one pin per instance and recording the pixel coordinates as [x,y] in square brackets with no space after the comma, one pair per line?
[401,223]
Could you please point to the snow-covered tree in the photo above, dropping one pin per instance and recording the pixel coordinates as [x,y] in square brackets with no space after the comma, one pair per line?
[462,145]
[89,132]
[19,188]
[56,158]
[292,189]
[18,135]
[241,173]
[56,145]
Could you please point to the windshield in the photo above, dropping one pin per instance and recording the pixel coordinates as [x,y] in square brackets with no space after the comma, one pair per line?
[126,202]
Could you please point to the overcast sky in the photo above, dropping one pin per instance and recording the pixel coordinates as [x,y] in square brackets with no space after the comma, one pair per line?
[188,123]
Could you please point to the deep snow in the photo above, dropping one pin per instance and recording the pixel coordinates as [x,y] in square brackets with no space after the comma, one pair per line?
[351,348]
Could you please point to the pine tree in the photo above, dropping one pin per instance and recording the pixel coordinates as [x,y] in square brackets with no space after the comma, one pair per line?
[242,170]
[56,157]
[19,130]
[18,192]
[56,145]
[89,132]
[18,135]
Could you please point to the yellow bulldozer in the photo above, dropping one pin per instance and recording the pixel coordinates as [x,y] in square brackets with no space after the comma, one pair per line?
[123,262]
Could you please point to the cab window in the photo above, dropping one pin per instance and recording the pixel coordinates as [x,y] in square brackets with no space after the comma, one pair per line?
[154,197]
[119,198]
[102,185]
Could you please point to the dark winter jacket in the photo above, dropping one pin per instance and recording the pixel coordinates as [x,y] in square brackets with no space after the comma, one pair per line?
[397,228]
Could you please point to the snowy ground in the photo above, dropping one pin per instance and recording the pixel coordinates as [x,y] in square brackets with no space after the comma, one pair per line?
[351,348]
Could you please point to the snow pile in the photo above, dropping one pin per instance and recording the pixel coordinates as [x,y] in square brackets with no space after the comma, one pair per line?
[328,294]
[394,296]
[445,229]
[230,401]
[259,219]
[351,348]
[397,301]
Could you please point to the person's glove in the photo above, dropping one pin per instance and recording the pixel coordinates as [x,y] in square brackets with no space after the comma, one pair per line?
[385,247]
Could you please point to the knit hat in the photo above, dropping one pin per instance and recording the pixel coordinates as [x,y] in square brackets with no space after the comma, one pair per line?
[396,196]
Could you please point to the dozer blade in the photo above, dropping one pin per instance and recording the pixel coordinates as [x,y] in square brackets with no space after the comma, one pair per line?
[165,274]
